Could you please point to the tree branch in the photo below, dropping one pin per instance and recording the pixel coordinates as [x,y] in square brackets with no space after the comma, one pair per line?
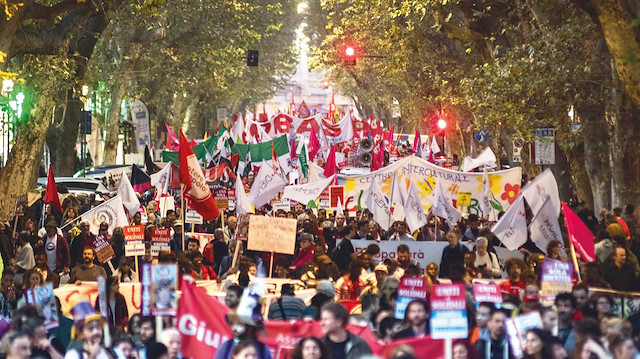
[34,10]
[462,33]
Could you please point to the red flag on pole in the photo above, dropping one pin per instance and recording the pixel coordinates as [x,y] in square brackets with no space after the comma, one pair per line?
[579,234]
[314,144]
[195,186]
[52,191]
[375,163]
[331,167]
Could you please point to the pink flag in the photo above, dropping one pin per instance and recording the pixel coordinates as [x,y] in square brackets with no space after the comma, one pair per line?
[172,136]
[331,167]
[314,145]
[580,236]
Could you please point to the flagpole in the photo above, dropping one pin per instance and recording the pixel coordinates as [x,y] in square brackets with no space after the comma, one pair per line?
[183,212]
[575,260]
[393,181]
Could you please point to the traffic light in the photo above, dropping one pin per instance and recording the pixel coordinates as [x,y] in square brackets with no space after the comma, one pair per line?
[349,55]
[438,124]
[325,84]
[252,57]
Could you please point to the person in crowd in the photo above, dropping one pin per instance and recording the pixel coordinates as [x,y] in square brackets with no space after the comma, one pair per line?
[171,338]
[341,343]
[244,336]
[193,245]
[486,262]
[78,244]
[549,316]
[362,230]
[514,286]
[305,254]
[351,285]
[118,313]
[473,231]
[200,271]
[602,303]
[623,347]
[216,249]
[401,232]
[18,345]
[125,273]
[344,252]
[462,349]
[537,344]
[147,336]
[287,307]
[494,344]
[48,275]
[9,294]
[233,296]
[176,239]
[310,348]
[325,293]
[388,329]
[56,249]
[416,318]
[554,251]
[87,271]
[482,319]
[24,257]
[122,347]
[451,254]
[91,333]
[566,306]
[604,246]
[619,273]
[404,260]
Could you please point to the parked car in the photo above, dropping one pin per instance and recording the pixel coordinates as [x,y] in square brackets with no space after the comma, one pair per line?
[78,186]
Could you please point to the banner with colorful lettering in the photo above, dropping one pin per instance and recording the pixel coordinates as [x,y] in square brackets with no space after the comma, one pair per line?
[505,185]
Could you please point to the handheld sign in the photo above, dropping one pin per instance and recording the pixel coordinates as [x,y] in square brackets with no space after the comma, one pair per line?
[272,234]
[134,241]
[160,240]
[556,278]
[104,251]
[164,282]
[487,292]
[410,288]
[464,199]
[448,318]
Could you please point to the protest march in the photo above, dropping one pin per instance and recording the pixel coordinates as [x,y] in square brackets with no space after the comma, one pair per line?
[256,243]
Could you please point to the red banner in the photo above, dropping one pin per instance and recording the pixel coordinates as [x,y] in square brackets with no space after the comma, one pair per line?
[204,331]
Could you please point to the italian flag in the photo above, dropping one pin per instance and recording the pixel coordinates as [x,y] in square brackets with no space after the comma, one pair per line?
[264,152]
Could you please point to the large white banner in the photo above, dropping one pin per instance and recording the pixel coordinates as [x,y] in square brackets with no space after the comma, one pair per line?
[505,185]
[281,124]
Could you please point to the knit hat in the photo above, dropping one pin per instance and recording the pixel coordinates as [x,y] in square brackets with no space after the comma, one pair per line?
[325,286]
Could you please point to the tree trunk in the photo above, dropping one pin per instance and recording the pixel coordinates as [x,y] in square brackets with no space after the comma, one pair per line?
[625,153]
[19,174]
[595,133]
[579,175]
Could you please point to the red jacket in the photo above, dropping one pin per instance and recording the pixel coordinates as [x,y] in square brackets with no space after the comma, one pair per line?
[303,258]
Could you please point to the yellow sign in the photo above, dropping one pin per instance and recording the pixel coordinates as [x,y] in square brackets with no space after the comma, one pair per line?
[464,199]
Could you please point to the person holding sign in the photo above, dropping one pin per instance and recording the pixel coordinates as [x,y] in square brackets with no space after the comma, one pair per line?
[87,271]
[417,316]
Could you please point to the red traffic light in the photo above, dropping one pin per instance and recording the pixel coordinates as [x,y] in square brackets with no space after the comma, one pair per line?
[442,124]
[325,84]
[438,124]
[349,54]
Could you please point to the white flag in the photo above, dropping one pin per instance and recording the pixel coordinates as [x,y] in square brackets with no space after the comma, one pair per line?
[238,129]
[378,206]
[434,146]
[304,193]
[541,188]
[485,194]
[413,210]
[442,206]
[339,210]
[128,195]
[266,185]
[242,201]
[110,212]
[545,226]
[161,180]
[485,159]
[511,229]
[397,199]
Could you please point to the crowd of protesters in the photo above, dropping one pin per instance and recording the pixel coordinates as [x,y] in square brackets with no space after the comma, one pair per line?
[352,287]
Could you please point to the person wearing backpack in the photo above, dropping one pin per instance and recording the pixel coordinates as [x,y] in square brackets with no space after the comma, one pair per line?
[486,262]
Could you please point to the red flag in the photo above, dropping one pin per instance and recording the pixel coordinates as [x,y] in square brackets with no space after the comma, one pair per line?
[193,143]
[202,331]
[52,191]
[195,186]
[274,159]
[292,106]
[314,145]
[332,108]
[417,143]
[431,160]
[172,136]
[579,234]
[331,167]
[375,163]
[303,110]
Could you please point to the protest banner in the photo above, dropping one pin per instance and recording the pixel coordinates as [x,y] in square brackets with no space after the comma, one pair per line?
[134,241]
[272,234]
[487,292]
[222,197]
[556,278]
[145,290]
[160,240]
[409,288]
[505,185]
[448,319]
[104,251]
[422,252]
[516,329]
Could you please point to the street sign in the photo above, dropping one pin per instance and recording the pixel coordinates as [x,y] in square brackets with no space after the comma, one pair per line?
[482,135]
[543,151]
[518,142]
[221,114]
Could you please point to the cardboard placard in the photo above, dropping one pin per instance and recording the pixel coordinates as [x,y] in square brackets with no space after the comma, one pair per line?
[43,299]
[336,192]
[517,328]
[104,251]
[192,216]
[556,278]
[221,196]
[134,241]
[449,324]
[272,234]
[160,240]
[487,292]
[164,283]
[448,297]
[464,199]
[409,288]
[21,203]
